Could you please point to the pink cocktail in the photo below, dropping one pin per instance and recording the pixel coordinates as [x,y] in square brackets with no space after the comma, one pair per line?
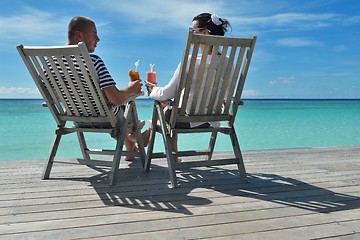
[151,77]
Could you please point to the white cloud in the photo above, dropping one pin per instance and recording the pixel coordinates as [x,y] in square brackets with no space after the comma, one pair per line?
[272,82]
[159,15]
[297,42]
[352,20]
[156,15]
[340,48]
[287,80]
[19,92]
[318,20]
[250,93]
[290,21]
[283,80]
[33,24]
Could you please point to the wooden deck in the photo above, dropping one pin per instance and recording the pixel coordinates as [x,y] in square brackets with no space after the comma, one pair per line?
[309,193]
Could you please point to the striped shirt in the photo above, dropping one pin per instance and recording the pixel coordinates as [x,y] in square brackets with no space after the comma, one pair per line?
[105,78]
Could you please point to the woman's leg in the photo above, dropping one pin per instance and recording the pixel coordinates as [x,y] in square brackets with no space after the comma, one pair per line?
[174,147]
[145,136]
[130,147]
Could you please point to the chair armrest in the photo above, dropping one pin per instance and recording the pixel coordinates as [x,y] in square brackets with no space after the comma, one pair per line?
[167,103]
[170,102]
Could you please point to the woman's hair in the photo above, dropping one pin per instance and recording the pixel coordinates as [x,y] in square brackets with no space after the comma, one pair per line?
[216,25]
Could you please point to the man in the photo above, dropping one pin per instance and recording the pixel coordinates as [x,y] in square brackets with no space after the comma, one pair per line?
[83,29]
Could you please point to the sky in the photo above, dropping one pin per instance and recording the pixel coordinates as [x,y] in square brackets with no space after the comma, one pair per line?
[304,48]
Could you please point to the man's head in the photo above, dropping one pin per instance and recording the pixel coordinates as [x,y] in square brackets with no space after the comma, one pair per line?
[83,29]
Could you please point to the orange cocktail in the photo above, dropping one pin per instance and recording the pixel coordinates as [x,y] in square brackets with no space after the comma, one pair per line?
[134,75]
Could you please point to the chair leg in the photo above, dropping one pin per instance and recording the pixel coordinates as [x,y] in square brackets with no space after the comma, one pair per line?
[170,160]
[212,145]
[139,139]
[151,141]
[119,146]
[238,155]
[116,158]
[83,145]
[53,149]
[168,150]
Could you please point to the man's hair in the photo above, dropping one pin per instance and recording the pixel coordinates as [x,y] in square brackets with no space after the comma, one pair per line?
[78,23]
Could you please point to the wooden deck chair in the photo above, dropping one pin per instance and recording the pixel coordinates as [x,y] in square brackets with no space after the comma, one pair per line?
[72,94]
[209,93]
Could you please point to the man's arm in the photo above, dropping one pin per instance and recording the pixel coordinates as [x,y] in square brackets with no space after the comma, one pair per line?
[119,96]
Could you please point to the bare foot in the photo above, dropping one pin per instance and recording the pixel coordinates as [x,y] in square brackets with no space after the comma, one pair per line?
[129,158]
[132,137]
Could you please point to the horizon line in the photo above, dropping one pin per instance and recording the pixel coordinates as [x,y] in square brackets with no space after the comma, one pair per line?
[146,98]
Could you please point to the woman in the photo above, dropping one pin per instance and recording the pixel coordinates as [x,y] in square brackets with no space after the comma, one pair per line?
[204,23]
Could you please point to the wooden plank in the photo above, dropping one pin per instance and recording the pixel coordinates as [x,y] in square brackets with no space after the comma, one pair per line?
[189,227]
[298,193]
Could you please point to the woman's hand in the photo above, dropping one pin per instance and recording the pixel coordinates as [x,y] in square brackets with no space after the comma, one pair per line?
[149,86]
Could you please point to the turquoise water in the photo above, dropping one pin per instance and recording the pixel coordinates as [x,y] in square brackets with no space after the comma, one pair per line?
[28,128]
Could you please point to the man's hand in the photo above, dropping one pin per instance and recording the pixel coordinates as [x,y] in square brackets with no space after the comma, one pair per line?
[135,86]
[119,96]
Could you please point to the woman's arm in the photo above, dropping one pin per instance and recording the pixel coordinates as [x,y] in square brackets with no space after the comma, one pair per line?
[168,91]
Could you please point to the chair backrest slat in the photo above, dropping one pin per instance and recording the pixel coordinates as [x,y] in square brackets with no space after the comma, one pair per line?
[47,84]
[198,84]
[188,77]
[95,89]
[211,82]
[222,65]
[68,82]
[235,77]
[243,75]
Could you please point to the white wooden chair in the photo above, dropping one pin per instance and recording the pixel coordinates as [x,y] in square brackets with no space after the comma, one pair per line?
[72,94]
[209,93]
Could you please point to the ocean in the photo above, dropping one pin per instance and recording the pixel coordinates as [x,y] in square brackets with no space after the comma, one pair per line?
[27,128]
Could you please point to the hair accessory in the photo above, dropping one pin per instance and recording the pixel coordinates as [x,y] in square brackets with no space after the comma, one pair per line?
[215,19]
